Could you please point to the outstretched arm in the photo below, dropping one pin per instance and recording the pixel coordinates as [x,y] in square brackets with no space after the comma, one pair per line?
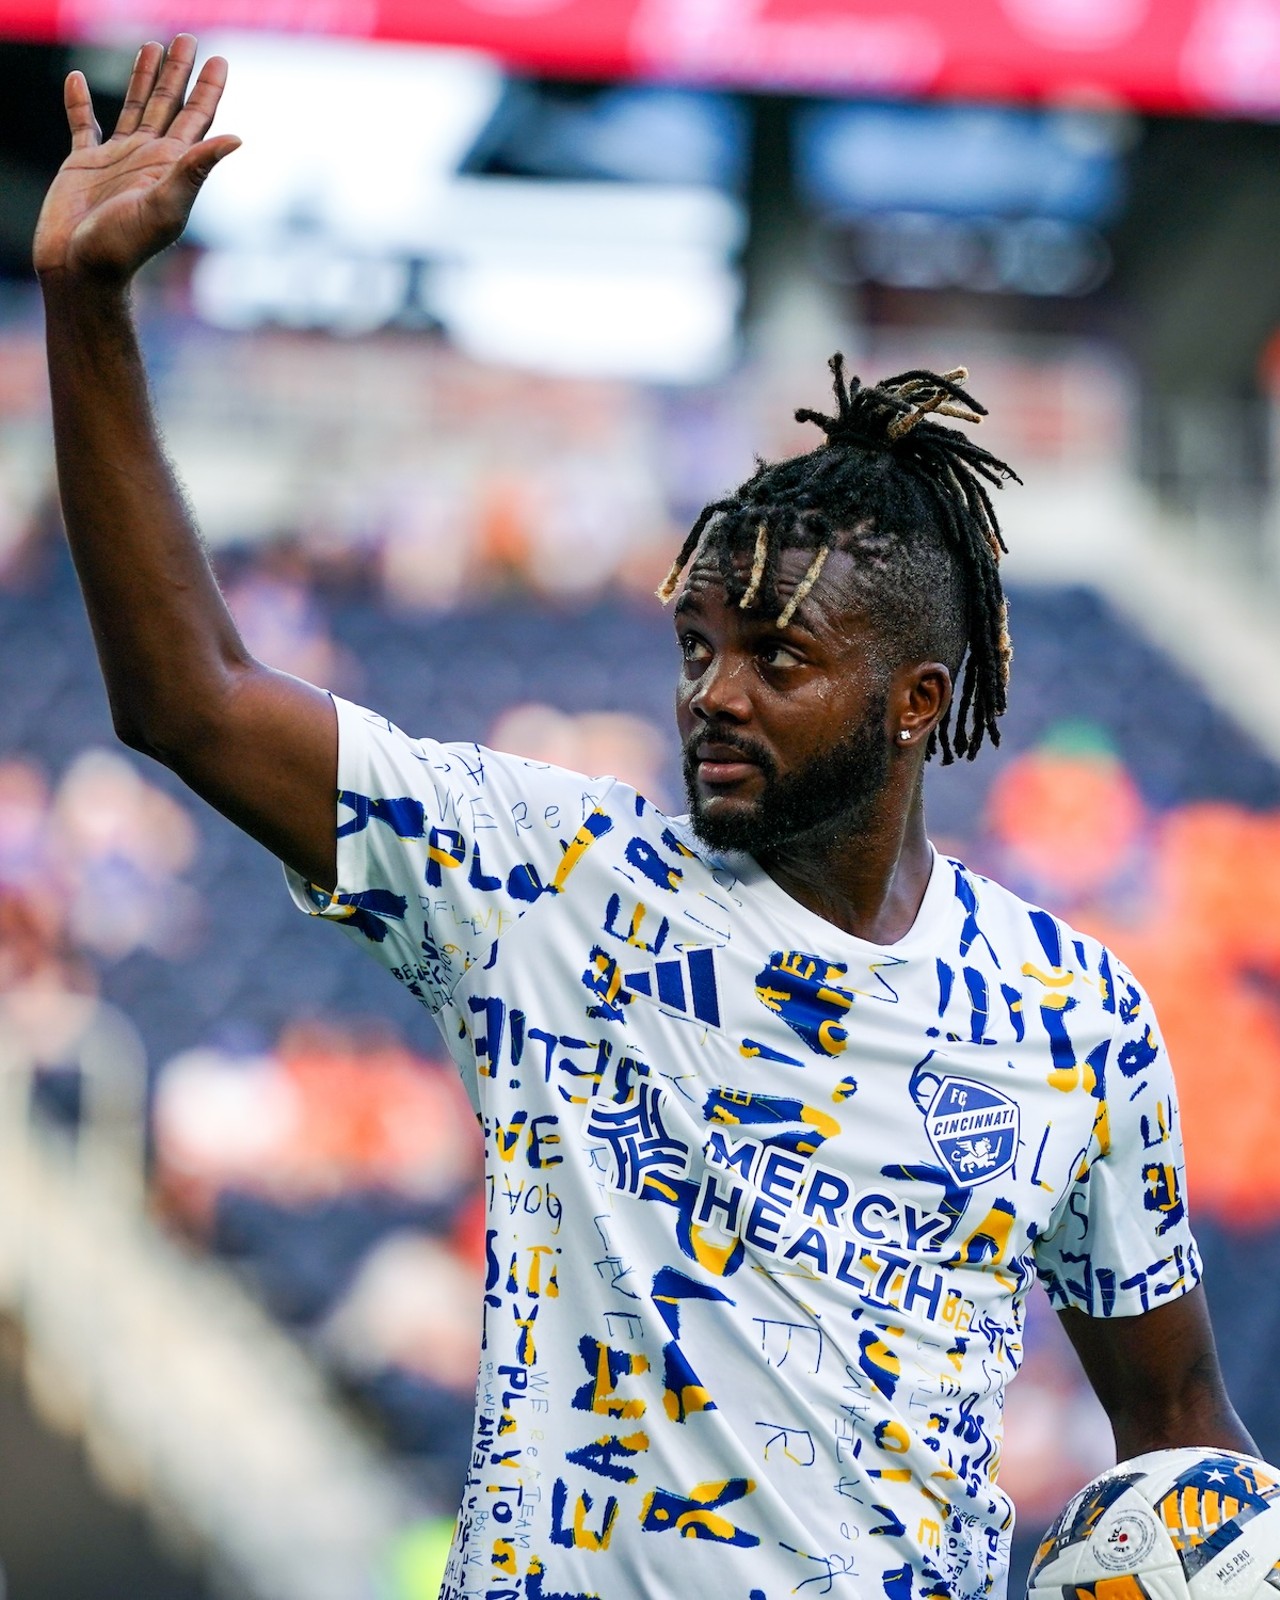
[1158,1379]
[259,745]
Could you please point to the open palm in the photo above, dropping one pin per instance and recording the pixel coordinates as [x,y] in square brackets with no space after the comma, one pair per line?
[116,203]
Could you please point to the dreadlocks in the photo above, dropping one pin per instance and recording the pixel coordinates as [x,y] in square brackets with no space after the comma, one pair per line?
[908,498]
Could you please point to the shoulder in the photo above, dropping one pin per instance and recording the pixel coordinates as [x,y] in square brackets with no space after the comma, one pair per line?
[1042,951]
[373,746]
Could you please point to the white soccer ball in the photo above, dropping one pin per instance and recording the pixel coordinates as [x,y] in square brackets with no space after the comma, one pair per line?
[1171,1525]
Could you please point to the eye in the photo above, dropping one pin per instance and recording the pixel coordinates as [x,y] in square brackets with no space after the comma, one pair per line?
[773,653]
[695,651]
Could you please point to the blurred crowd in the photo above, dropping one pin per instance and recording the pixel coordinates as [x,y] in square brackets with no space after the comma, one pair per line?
[1190,898]
[397,466]
[91,869]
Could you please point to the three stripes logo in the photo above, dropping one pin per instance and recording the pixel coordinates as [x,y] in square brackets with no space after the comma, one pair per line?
[683,986]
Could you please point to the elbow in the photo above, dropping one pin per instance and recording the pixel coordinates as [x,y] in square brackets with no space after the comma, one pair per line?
[175,719]
[168,703]
[133,734]
[170,736]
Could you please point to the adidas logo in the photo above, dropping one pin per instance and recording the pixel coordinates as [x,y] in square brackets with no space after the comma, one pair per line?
[686,984]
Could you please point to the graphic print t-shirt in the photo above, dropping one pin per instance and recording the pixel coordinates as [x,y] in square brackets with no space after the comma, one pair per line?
[764,1199]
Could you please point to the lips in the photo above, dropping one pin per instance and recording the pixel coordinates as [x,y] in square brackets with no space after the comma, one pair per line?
[722,764]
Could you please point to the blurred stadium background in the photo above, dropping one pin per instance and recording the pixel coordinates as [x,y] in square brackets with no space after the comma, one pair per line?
[497,293]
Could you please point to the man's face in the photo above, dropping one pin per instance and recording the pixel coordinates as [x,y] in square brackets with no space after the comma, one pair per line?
[783,730]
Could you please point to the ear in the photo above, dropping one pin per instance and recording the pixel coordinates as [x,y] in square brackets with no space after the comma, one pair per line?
[918,697]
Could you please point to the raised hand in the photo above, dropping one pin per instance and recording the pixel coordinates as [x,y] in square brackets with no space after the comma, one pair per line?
[116,203]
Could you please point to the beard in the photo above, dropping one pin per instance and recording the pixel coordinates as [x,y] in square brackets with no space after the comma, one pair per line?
[832,796]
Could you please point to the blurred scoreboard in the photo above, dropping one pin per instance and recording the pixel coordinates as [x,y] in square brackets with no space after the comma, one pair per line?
[1207,56]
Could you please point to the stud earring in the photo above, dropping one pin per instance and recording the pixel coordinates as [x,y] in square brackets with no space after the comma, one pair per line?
[904,734]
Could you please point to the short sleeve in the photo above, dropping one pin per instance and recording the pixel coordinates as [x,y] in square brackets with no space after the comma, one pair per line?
[1121,1242]
[442,847]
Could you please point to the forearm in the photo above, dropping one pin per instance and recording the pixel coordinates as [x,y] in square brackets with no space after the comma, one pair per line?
[168,647]
[1158,1378]
[1200,1413]
[259,745]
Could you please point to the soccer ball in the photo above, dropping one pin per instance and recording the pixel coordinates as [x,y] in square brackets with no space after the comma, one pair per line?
[1171,1525]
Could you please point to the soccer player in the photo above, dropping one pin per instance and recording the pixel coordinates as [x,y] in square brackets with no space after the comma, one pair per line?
[783,1112]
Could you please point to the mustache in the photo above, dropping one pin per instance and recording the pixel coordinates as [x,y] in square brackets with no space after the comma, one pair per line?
[747,748]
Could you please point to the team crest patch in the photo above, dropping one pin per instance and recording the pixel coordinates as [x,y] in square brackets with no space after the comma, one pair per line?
[973,1129]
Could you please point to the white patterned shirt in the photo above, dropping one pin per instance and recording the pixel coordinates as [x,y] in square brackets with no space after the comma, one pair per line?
[764,1199]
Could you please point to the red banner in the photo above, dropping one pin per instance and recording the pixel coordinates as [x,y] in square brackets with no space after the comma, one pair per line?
[1215,56]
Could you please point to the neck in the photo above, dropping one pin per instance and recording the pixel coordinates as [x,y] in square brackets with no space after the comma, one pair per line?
[867,879]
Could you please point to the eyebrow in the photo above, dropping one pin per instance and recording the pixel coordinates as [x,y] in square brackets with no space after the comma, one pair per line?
[688,604]
[799,623]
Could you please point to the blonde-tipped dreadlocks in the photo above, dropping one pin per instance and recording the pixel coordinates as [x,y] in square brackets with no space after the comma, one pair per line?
[908,498]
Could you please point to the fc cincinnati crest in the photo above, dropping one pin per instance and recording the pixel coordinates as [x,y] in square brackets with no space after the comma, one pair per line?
[974,1130]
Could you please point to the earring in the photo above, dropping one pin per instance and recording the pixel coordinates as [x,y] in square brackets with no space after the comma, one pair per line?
[904,734]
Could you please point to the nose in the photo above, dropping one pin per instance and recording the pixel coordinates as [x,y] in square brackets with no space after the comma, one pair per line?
[720,694]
